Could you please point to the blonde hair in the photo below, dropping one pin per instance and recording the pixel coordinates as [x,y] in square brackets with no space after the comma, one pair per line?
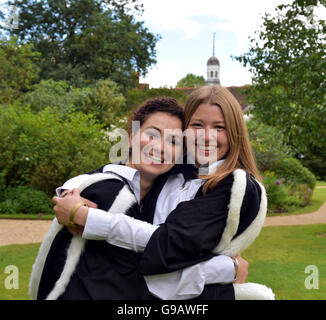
[240,154]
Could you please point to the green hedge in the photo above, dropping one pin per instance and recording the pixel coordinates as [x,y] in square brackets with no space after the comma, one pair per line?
[292,169]
[24,199]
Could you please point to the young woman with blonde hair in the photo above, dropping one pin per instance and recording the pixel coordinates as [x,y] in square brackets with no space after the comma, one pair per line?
[221,213]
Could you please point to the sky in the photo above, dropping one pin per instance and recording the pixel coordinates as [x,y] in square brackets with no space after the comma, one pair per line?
[186,28]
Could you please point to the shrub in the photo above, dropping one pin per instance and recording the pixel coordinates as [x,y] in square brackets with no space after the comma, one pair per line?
[44,150]
[301,192]
[277,193]
[24,199]
[50,93]
[268,145]
[284,195]
[105,102]
[292,169]
[315,161]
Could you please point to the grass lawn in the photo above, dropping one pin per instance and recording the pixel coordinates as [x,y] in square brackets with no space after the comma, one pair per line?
[25,216]
[22,256]
[277,258]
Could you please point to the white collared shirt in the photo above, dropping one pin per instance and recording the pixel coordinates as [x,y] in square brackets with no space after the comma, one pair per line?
[134,235]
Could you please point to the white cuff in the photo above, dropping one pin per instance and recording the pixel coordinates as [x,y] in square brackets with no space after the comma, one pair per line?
[97,225]
[219,269]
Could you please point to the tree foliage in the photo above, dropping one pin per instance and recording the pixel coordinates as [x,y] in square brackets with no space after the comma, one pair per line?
[87,40]
[288,64]
[18,70]
[135,98]
[191,81]
[103,99]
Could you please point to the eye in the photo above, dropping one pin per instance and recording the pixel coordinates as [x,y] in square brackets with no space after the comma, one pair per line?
[220,128]
[196,125]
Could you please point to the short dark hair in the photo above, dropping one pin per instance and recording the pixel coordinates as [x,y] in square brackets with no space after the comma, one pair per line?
[162,104]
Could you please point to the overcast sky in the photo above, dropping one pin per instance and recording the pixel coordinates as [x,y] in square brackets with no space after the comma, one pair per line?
[187,27]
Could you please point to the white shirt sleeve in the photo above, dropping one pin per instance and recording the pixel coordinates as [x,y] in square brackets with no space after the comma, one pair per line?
[133,234]
[118,229]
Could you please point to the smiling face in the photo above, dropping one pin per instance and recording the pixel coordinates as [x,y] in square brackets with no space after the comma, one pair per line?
[157,144]
[207,140]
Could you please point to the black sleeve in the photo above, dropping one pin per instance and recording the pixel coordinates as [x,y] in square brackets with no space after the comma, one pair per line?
[190,232]
[103,193]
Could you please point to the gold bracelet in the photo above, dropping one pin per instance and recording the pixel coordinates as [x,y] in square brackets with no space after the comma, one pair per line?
[73,212]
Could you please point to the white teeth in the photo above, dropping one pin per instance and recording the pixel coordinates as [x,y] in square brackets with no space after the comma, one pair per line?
[157,159]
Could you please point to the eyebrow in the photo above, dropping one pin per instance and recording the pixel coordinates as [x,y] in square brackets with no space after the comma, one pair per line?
[153,127]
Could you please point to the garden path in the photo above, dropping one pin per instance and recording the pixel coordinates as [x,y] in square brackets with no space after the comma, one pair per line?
[33,231]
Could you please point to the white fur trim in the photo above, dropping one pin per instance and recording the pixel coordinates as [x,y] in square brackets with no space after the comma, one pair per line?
[252,291]
[124,200]
[41,257]
[248,236]
[73,254]
[85,180]
[237,194]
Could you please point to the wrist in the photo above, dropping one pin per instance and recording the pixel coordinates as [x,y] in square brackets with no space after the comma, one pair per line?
[80,215]
[236,268]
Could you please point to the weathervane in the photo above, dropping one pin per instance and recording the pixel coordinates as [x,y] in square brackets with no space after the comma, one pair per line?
[214,44]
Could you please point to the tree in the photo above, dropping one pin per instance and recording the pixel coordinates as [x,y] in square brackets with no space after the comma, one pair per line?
[288,63]
[191,81]
[17,69]
[87,40]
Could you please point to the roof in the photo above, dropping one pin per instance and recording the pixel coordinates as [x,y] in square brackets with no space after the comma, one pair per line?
[213,61]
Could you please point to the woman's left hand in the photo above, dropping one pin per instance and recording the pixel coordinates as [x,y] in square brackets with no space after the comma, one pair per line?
[64,205]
